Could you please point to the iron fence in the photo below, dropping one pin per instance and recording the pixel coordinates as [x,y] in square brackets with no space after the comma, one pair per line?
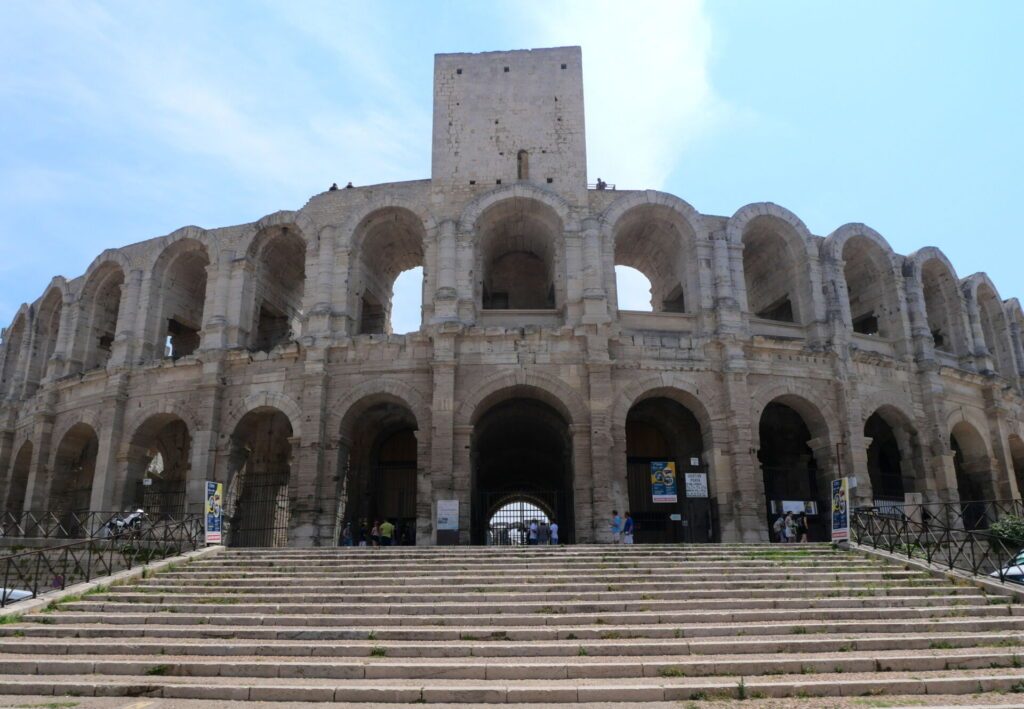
[975,551]
[28,574]
[44,524]
[968,515]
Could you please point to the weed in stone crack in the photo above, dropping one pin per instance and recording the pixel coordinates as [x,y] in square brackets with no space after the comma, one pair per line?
[672,672]
[44,620]
[611,635]
[940,645]
[582,651]
[12,618]
[699,696]
[378,652]
[571,636]
[800,630]
[741,690]
[158,670]
[372,635]
[1017,688]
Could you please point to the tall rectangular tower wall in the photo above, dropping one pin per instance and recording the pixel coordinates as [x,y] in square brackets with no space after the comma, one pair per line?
[489,107]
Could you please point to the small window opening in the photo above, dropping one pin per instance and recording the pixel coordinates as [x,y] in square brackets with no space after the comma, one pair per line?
[106,342]
[781,310]
[495,121]
[675,302]
[550,180]
[272,329]
[563,66]
[506,70]
[458,71]
[497,182]
[866,324]
[938,338]
[523,165]
[182,340]
[472,182]
[372,320]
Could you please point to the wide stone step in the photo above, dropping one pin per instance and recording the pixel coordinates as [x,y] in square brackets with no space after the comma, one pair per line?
[232,604]
[500,645]
[507,691]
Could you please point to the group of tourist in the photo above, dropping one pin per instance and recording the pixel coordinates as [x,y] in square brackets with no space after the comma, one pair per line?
[381,534]
[542,532]
[622,529]
[791,528]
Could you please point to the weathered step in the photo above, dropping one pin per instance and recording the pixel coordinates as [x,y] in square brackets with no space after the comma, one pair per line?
[544,691]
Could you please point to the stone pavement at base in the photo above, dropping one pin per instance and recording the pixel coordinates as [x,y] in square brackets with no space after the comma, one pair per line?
[800,626]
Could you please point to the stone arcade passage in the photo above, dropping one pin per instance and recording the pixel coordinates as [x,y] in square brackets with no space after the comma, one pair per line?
[766,360]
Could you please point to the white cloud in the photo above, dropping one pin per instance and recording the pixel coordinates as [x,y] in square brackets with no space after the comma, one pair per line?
[646,82]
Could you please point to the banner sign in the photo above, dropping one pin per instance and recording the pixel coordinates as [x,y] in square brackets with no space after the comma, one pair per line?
[448,515]
[663,482]
[214,512]
[696,484]
[840,510]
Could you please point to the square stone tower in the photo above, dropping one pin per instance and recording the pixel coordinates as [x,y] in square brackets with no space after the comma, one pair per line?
[502,117]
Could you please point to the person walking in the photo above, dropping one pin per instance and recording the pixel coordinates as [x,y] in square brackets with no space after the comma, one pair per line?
[554,532]
[616,527]
[780,529]
[790,528]
[627,529]
[375,533]
[803,528]
[346,535]
[543,533]
[532,538]
[387,533]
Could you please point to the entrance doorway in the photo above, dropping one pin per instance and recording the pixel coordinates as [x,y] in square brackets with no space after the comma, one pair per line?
[522,454]
[791,473]
[660,430]
[257,500]
[509,525]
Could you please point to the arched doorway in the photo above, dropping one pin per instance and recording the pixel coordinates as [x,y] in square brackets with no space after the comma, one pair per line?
[793,479]
[379,468]
[891,457]
[973,467]
[521,448]
[1017,461]
[257,501]
[661,431]
[509,523]
[15,501]
[158,464]
[73,468]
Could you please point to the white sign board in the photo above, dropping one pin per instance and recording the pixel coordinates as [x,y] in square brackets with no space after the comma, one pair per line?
[696,485]
[448,515]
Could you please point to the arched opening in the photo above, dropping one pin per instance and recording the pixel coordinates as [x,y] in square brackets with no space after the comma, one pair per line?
[45,341]
[390,243]
[634,289]
[775,273]
[658,242]
[379,468]
[521,447]
[1017,461]
[664,444]
[973,467]
[794,481]
[523,165]
[101,305]
[890,467]
[74,466]
[407,302]
[257,500]
[279,282]
[509,523]
[518,256]
[871,288]
[14,503]
[943,308]
[995,328]
[13,341]
[158,463]
[179,292]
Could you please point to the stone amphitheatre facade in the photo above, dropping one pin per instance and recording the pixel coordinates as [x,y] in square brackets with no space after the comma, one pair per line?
[261,355]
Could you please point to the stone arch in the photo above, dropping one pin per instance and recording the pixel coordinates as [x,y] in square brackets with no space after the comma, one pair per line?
[282,254]
[46,333]
[470,216]
[893,473]
[15,484]
[347,406]
[1015,445]
[994,325]
[346,234]
[778,251]
[301,223]
[821,421]
[385,242]
[543,387]
[14,341]
[656,234]
[944,313]
[163,407]
[158,448]
[865,258]
[673,387]
[74,466]
[65,423]
[177,299]
[99,309]
[973,464]
[1015,318]
[265,400]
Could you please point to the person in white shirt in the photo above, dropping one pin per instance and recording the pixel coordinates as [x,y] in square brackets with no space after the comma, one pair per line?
[553,539]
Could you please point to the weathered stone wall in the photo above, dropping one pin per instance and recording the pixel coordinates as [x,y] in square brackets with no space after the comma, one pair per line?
[90,356]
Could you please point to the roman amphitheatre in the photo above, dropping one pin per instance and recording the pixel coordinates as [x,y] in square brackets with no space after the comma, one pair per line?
[771,361]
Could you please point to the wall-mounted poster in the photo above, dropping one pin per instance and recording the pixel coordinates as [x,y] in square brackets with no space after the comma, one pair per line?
[663,481]
[214,512]
[840,510]
[696,485]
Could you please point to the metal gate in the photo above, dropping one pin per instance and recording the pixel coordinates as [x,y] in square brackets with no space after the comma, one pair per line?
[161,499]
[256,510]
[690,520]
[508,515]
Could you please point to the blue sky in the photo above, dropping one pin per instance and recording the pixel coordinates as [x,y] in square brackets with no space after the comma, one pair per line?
[123,121]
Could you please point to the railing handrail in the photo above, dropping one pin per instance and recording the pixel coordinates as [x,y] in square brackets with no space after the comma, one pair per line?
[47,524]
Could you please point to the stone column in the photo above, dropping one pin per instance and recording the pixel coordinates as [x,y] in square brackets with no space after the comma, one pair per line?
[462,478]
[240,302]
[61,349]
[446,297]
[319,320]
[595,293]
[466,277]
[127,342]
[6,465]
[111,433]
[37,488]
[572,269]
[442,423]
[215,304]
[602,466]
[982,355]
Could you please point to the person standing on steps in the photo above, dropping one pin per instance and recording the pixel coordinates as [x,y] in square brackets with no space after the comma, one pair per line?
[627,529]
[554,532]
[780,529]
[534,531]
[616,527]
[387,533]
[543,533]
[803,529]
[375,533]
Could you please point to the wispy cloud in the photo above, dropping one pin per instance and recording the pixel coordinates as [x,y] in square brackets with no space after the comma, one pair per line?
[647,81]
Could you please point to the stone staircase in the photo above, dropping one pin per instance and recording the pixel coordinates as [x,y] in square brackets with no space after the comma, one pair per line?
[528,625]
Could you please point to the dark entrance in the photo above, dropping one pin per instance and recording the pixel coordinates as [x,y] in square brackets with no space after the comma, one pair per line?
[662,430]
[790,471]
[510,523]
[380,472]
[256,504]
[522,449]
[884,466]
[158,464]
[74,466]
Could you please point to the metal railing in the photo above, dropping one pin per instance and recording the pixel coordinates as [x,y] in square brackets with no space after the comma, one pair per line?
[44,524]
[969,515]
[975,551]
[28,574]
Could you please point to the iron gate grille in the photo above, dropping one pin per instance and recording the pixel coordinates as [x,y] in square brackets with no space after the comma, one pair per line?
[161,499]
[256,513]
[509,523]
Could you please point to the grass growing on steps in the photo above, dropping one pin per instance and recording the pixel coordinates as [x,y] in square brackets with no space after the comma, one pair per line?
[12,618]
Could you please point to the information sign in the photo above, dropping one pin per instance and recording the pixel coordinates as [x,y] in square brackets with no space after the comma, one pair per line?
[840,510]
[214,512]
[664,487]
